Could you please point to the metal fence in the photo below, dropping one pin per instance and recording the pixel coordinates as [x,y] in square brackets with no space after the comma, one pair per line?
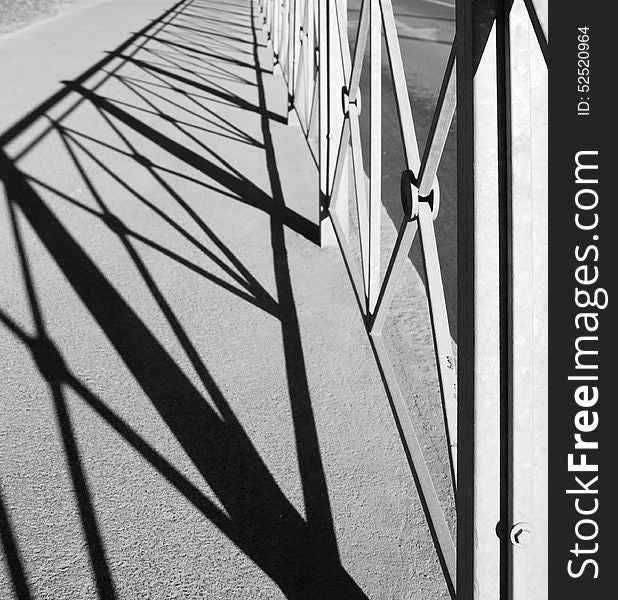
[499,61]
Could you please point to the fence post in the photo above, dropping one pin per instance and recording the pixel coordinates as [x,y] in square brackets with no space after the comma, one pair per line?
[527,508]
[502,286]
[331,82]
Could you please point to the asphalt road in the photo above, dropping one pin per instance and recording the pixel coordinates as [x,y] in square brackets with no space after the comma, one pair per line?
[426,29]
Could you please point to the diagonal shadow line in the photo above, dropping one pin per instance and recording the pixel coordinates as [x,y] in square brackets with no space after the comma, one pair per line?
[229,98]
[247,192]
[26,121]
[117,227]
[213,45]
[310,462]
[98,556]
[210,55]
[280,571]
[12,554]
[154,165]
[215,33]
[221,132]
[206,72]
[249,281]
[147,85]
[96,549]
[271,308]
[15,329]
[251,285]
[206,9]
[22,124]
[134,87]
[230,170]
[156,460]
[206,6]
[202,6]
[210,19]
[292,338]
[266,525]
[205,39]
[198,65]
[192,97]
[209,14]
[177,125]
[164,216]
[337,583]
[196,51]
[295,361]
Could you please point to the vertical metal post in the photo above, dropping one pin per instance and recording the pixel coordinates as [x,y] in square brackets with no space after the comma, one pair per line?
[284,56]
[293,43]
[528,247]
[502,284]
[479,326]
[375,148]
[274,27]
[332,82]
[268,15]
[309,63]
[313,130]
[323,110]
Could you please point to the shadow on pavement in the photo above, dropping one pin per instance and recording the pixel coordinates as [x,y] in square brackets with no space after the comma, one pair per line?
[177,69]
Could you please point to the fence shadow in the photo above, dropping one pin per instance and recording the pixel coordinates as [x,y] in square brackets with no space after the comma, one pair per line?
[179,70]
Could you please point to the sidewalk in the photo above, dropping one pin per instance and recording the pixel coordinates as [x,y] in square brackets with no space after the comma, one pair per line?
[189,406]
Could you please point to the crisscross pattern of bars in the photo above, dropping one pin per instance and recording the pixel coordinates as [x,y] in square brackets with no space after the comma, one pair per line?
[302,33]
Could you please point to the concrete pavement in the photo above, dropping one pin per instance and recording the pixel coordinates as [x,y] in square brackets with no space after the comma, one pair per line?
[189,407]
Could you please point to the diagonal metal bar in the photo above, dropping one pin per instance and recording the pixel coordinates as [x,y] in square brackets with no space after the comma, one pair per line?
[308,62]
[375,153]
[341,163]
[350,263]
[436,519]
[405,237]
[537,11]
[299,82]
[447,373]
[374,298]
[294,44]
[362,206]
[314,109]
[408,133]
[440,125]
[323,95]
[300,49]
[305,72]
[311,73]
[359,50]
[343,40]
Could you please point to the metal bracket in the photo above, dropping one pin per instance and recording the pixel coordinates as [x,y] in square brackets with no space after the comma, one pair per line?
[346,102]
[410,197]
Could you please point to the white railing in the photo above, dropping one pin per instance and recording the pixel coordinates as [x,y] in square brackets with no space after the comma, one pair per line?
[494,58]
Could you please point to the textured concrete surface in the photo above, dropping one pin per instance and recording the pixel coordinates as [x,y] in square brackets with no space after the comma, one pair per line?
[189,407]
[15,14]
